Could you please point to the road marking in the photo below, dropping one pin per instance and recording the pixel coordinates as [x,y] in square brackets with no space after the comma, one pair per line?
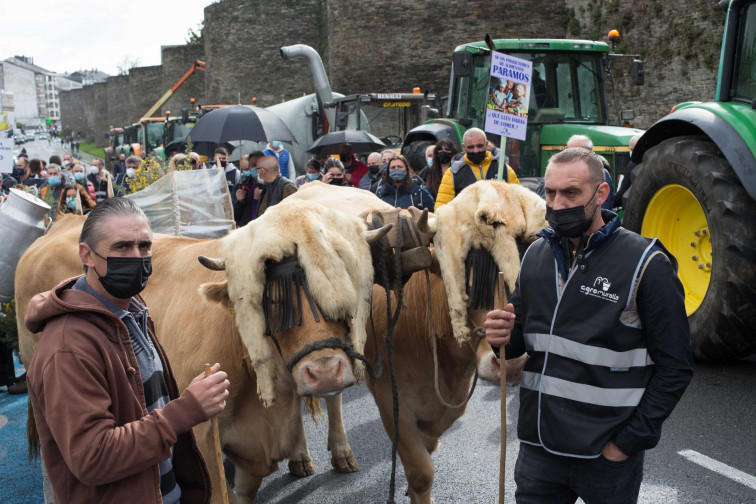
[719,467]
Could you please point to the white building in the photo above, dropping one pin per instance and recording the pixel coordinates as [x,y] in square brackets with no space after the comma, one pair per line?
[31,92]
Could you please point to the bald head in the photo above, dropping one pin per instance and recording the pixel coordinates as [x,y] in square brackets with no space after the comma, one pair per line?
[580,141]
[268,168]
[634,141]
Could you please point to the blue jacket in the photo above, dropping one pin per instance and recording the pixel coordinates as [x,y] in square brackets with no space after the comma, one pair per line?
[417,196]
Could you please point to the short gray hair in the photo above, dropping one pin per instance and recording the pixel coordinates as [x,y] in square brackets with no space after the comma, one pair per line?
[134,159]
[473,132]
[590,158]
[92,232]
[580,141]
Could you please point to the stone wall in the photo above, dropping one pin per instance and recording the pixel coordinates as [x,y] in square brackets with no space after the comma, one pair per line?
[679,40]
[395,45]
[72,111]
[177,60]
[100,124]
[242,43]
[145,87]
[118,102]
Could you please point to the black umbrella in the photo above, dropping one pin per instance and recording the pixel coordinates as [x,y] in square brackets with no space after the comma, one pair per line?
[359,140]
[201,148]
[240,122]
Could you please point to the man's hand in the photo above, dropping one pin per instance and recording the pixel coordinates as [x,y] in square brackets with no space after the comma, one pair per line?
[240,194]
[611,452]
[258,192]
[498,325]
[210,392]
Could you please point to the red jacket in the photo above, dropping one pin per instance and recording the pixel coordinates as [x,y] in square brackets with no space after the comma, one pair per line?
[98,442]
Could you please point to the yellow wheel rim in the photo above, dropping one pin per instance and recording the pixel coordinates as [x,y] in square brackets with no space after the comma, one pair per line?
[675,216]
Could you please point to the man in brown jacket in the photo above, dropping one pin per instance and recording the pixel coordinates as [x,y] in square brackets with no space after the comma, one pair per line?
[112,425]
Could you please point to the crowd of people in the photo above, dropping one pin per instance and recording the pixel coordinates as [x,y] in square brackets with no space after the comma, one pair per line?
[630,361]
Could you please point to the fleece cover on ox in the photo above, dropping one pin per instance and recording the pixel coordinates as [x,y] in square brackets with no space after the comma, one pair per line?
[491,215]
[332,249]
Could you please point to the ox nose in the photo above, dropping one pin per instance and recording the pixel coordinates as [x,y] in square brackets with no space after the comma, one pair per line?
[325,376]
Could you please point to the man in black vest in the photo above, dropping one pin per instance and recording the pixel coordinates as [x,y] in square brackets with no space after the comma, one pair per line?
[601,313]
[275,187]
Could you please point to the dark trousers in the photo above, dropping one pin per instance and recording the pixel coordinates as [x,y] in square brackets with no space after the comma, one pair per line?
[545,478]
[7,368]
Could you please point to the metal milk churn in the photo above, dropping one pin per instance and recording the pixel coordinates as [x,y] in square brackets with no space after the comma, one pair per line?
[22,220]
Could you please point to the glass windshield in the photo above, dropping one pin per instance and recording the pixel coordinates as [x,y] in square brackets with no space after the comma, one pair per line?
[745,59]
[567,87]
[154,135]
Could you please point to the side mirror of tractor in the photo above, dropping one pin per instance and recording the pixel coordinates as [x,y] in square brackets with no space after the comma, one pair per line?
[638,72]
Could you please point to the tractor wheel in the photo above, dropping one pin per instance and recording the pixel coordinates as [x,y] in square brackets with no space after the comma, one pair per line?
[687,194]
[415,154]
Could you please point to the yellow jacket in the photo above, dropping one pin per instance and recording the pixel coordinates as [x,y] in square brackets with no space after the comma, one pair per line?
[447,191]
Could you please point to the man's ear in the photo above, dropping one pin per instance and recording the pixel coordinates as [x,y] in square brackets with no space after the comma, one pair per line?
[603,193]
[86,254]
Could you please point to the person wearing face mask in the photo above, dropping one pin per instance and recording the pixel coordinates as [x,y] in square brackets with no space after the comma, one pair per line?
[442,155]
[478,163]
[74,200]
[601,313]
[277,150]
[373,178]
[275,187]
[112,424]
[80,177]
[401,189]
[354,169]
[233,175]
[55,185]
[21,172]
[98,177]
[312,173]
[132,165]
[333,173]
[584,142]
[247,193]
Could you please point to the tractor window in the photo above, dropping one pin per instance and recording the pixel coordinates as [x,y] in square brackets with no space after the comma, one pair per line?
[745,59]
[470,93]
[154,135]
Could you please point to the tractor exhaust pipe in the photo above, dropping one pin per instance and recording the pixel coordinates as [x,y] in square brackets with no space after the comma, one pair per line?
[302,51]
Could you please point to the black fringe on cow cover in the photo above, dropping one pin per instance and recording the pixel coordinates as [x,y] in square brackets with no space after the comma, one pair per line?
[480,291]
[282,280]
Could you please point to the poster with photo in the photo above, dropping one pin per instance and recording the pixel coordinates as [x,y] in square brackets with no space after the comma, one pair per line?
[508,96]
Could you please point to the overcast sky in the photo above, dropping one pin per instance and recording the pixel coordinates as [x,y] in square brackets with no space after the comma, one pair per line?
[65,36]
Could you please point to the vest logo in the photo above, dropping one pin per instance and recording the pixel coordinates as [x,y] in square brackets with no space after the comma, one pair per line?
[600,289]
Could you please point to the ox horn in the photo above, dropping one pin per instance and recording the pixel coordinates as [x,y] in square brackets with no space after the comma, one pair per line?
[424,223]
[376,234]
[212,263]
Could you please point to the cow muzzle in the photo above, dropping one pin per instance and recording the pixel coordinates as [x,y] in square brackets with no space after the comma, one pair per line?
[322,373]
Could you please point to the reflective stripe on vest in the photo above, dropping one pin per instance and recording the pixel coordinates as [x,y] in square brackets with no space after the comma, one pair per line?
[588,354]
[557,387]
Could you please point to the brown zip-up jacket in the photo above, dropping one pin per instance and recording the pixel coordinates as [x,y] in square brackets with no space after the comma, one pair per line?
[98,442]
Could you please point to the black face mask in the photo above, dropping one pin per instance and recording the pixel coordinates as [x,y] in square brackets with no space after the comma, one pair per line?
[345,158]
[336,181]
[374,168]
[127,276]
[17,172]
[223,163]
[477,157]
[444,157]
[570,222]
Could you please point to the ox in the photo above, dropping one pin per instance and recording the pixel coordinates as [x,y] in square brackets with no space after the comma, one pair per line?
[262,422]
[487,215]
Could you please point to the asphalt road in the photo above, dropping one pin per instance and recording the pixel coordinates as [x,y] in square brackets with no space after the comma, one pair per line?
[715,419]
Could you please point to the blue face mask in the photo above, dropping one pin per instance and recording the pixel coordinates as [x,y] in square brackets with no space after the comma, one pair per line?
[250,173]
[79,176]
[54,180]
[397,175]
[276,144]
[71,203]
[429,161]
[313,176]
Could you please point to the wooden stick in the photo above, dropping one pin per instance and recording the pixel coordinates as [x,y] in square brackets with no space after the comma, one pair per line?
[503,371]
[218,457]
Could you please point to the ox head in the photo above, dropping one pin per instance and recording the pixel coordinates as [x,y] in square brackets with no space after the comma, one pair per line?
[298,280]
[488,217]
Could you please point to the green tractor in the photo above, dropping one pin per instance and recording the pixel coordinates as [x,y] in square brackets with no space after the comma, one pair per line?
[695,188]
[568,97]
